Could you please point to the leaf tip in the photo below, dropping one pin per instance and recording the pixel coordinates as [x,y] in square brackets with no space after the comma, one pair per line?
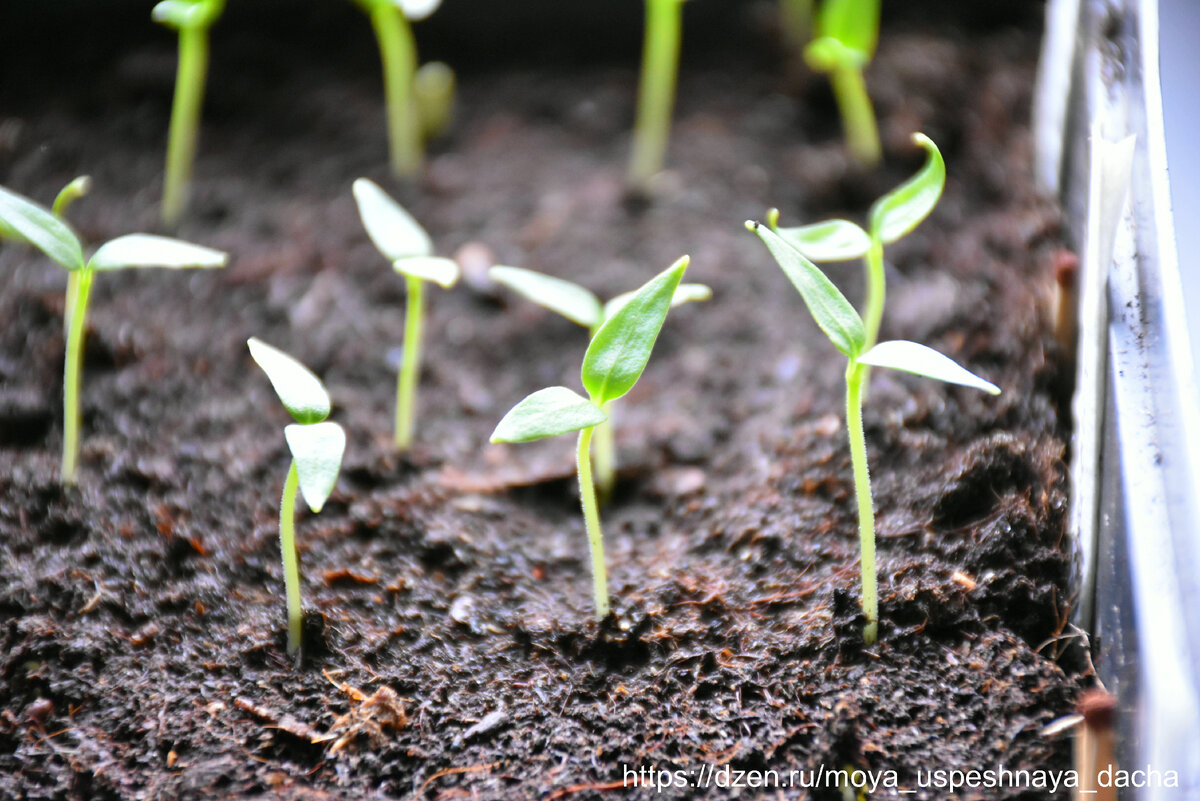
[751,225]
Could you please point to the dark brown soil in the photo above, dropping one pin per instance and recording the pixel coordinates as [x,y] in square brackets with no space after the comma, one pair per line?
[141,615]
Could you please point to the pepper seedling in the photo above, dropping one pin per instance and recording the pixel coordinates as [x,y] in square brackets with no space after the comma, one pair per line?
[391,20]
[404,243]
[614,362]
[317,446]
[847,32]
[53,237]
[656,89]
[893,216]
[581,306]
[192,18]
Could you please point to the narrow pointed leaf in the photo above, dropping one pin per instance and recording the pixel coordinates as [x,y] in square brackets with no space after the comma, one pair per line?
[684,293]
[912,357]
[902,209]
[443,272]
[148,250]
[547,413]
[318,450]
[393,230]
[832,240]
[621,347]
[300,391]
[567,298]
[828,306]
[37,226]
[854,23]
[69,194]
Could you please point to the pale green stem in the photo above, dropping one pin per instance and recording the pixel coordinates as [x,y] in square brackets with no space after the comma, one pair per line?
[591,518]
[185,120]
[291,559]
[410,367]
[656,93]
[605,457]
[69,194]
[72,368]
[876,291]
[855,378]
[398,52]
[858,116]
[69,305]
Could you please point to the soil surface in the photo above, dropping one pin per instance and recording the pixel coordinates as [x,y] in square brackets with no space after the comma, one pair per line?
[451,651]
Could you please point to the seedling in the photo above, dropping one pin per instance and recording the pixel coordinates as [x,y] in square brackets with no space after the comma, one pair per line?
[404,243]
[52,236]
[398,52]
[580,306]
[192,18]
[847,32]
[614,361]
[317,447]
[656,91]
[892,217]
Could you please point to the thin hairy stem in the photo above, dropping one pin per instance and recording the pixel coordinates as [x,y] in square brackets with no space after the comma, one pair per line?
[72,369]
[291,559]
[410,368]
[604,458]
[185,120]
[855,378]
[591,517]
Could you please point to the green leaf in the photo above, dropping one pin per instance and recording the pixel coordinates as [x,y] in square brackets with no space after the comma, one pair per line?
[393,230]
[853,23]
[899,354]
[69,194]
[827,54]
[902,209]
[828,306]
[301,392]
[832,240]
[148,250]
[318,450]
[37,226]
[547,413]
[620,349]
[181,14]
[556,294]
[443,272]
[684,293]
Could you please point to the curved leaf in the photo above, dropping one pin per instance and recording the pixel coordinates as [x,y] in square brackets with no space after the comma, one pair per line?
[393,230]
[318,450]
[684,293]
[148,250]
[828,306]
[443,272]
[547,413]
[620,349]
[37,226]
[300,391]
[911,357]
[556,294]
[832,240]
[69,194]
[902,209]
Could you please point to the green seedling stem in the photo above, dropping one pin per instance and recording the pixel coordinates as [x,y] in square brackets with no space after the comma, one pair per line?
[656,92]
[614,361]
[892,216]
[847,32]
[410,368]
[68,195]
[291,559]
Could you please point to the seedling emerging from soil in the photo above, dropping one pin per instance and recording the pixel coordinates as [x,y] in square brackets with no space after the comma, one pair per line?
[847,32]
[580,305]
[192,18]
[317,447]
[656,92]
[398,52]
[52,236]
[404,243]
[895,215]
[614,361]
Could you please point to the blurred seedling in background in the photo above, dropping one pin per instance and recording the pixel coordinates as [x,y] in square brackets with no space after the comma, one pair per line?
[614,361]
[404,243]
[847,32]
[192,18]
[581,306]
[892,217]
[26,221]
[316,445]
[656,90]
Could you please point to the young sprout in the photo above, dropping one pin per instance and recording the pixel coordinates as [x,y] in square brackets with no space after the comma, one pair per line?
[404,243]
[580,306]
[52,236]
[192,18]
[317,447]
[398,52]
[893,216]
[656,91]
[614,361]
[847,32]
